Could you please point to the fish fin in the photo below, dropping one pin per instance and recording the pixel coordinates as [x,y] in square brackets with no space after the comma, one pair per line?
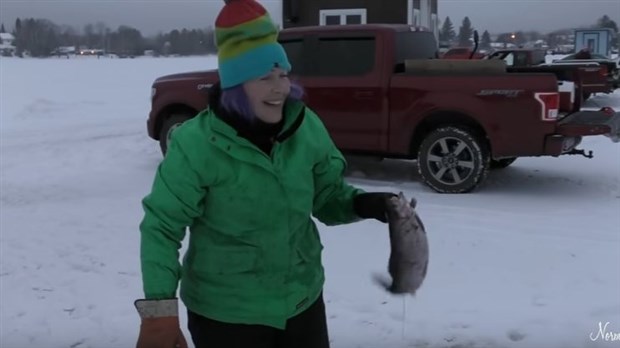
[413,203]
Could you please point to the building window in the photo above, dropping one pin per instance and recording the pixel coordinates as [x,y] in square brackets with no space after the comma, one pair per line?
[332,20]
[342,16]
[345,56]
[354,19]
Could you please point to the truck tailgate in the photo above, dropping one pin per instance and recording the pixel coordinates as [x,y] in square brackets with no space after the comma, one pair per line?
[583,123]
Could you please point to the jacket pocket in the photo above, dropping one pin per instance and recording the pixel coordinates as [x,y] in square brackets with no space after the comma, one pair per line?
[226,260]
[309,246]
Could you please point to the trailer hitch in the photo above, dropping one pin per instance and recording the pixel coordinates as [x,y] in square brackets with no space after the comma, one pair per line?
[580,152]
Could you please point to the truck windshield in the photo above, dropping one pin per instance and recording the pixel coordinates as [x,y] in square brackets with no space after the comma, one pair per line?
[415,45]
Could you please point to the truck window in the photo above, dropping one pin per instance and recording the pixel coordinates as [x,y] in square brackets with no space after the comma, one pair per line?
[294,51]
[345,56]
[520,59]
[538,57]
[415,45]
[496,55]
[509,59]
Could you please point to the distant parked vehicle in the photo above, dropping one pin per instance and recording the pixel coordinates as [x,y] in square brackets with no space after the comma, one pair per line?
[612,65]
[589,76]
[461,53]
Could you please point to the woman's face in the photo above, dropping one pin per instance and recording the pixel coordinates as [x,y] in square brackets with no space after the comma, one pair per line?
[267,95]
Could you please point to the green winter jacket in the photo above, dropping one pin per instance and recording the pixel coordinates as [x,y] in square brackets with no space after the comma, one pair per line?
[254,253]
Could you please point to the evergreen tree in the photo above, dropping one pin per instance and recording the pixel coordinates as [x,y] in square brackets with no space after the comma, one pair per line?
[16,33]
[465,33]
[606,22]
[18,25]
[447,33]
[485,41]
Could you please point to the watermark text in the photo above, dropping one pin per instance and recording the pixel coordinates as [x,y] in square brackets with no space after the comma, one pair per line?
[604,334]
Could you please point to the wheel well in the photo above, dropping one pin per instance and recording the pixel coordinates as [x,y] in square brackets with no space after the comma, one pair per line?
[442,119]
[170,110]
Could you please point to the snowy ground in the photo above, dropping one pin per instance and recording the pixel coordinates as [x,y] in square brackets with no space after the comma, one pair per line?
[531,260]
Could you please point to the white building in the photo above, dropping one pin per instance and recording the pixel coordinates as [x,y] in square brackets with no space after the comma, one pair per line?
[6,44]
[296,13]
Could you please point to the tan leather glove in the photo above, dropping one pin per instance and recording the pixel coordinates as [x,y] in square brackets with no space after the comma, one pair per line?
[160,326]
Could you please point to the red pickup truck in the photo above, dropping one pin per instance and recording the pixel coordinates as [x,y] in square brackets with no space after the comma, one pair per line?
[380,91]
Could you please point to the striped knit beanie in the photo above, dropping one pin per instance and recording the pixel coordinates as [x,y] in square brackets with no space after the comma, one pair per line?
[247,44]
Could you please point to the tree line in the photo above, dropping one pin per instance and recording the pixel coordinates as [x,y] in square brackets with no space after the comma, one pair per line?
[449,36]
[42,38]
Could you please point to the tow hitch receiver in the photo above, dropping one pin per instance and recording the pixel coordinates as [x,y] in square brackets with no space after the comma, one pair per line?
[580,152]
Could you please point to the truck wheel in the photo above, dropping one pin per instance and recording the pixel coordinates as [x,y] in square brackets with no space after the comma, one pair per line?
[170,124]
[502,163]
[453,160]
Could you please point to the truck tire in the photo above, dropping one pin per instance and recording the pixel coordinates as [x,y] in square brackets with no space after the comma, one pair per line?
[170,124]
[502,163]
[453,159]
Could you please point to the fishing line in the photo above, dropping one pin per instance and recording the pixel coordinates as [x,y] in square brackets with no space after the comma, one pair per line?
[404,316]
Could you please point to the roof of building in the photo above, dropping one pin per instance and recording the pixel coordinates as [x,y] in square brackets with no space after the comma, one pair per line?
[7,36]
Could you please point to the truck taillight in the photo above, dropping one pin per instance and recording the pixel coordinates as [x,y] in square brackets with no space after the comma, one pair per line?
[567,95]
[608,111]
[550,105]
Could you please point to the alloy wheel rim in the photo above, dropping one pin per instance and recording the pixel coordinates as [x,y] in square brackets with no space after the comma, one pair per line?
[450,161]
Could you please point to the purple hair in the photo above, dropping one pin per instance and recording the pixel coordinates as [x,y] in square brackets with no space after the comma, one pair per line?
[234,99]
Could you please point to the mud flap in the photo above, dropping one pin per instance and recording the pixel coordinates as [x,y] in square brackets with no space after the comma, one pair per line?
[586,123]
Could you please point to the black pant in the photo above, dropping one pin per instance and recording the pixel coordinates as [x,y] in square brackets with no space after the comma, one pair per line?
[306,330]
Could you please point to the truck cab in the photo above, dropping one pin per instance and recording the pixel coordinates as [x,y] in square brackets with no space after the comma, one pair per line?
[346,74]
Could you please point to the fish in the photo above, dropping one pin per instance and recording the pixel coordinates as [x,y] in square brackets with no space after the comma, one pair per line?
[409,248]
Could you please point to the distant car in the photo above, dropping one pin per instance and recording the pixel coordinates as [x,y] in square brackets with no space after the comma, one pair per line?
[595,56]
[518,57]
[443,48]
[590,77]
[461,53]
[611,64]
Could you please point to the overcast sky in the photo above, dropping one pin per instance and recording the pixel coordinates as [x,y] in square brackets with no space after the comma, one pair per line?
[153,16]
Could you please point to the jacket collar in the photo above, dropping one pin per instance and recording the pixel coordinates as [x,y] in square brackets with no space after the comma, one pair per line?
[234,125]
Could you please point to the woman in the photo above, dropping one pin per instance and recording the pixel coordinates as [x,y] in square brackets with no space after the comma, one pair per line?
[245,175]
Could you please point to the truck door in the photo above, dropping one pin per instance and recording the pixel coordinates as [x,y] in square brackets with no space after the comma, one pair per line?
[344,87]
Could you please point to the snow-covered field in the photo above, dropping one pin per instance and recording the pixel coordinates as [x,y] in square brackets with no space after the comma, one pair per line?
[531,260]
